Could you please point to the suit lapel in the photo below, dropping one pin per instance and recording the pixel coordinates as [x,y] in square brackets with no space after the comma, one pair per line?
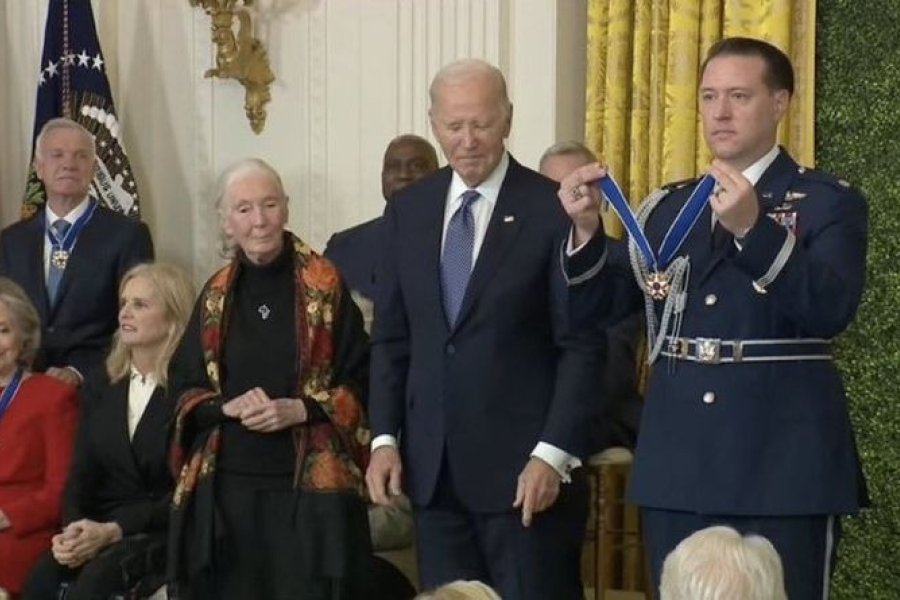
[146,432]
[36,285]
[505,224]
[434,198]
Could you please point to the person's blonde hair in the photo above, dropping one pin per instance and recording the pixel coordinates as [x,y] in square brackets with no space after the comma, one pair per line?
[23,318]
[175,289]
[718,563]
[461,590]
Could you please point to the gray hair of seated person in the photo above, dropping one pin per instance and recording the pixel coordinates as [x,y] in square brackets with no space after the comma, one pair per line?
[24,320]
[238,171]
[461,590]
[718,563]
[567,148]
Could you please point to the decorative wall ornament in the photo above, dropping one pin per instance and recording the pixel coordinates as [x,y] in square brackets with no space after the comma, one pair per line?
[240,56]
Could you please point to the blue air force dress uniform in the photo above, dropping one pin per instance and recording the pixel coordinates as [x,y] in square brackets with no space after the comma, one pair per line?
[746,416]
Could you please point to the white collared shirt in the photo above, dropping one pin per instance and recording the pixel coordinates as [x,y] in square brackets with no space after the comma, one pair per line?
[140,389]
[51,216]
[754,172]
[482,209]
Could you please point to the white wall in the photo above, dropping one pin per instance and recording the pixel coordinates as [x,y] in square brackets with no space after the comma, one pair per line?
[350,75]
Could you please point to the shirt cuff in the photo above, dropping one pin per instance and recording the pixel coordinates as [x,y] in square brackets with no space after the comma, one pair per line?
[570,242]
[384,439]
[561,461]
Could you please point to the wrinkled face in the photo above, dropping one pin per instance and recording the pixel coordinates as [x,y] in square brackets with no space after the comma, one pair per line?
[558,166]
[255,213]
[405,162]
[142,315]
[470,122]
[740,111]
[10,343]
[65,163]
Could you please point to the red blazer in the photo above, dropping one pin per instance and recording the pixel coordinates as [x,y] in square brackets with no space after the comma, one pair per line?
[36,440]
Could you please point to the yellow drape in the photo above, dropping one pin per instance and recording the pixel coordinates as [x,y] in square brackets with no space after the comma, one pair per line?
[643,72]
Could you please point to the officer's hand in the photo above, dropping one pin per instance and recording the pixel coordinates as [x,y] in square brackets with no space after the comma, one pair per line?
[581,200]
[734,201]
[537,490]
[383,475]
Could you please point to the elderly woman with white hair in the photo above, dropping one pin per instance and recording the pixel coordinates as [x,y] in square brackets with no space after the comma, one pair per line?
[718,563]
[270,430]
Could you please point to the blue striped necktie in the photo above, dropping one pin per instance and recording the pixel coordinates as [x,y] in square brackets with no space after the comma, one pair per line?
[456,261]
[54,276]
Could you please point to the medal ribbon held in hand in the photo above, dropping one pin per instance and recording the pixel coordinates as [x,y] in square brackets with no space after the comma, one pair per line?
[9,394]
[657,280]
[61,249]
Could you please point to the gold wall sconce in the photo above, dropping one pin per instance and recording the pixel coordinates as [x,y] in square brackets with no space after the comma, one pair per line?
[240,56]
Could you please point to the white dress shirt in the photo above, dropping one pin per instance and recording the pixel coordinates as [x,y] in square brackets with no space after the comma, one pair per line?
[140,389]
[482,209]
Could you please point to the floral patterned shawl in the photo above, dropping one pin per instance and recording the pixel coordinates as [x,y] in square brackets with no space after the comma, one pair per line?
[331,455]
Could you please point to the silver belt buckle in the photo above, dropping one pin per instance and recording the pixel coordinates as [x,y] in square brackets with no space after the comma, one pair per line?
[708,350]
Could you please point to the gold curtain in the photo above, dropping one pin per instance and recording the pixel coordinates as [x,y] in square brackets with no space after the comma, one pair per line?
[643,72]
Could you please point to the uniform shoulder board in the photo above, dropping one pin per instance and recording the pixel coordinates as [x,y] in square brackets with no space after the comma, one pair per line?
[823,177]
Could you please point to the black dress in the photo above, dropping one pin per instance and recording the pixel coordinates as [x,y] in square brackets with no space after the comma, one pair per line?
[271,540]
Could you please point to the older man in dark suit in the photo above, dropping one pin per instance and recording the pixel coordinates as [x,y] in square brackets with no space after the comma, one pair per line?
[473,373]
[70,257]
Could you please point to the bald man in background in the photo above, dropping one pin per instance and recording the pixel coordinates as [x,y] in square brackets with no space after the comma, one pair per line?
[355,251]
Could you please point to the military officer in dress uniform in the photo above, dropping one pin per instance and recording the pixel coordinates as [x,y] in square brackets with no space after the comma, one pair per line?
[746,420]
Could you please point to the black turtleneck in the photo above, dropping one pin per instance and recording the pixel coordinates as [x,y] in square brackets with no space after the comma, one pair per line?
[260,350]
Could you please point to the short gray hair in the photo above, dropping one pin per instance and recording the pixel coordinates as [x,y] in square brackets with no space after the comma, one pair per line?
[468,67]
[718,563]
[236,172]
[62,123]
[23,318]
[567,148]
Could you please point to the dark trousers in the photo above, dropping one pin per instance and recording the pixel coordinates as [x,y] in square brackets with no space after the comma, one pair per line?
[522,563]
[807,544]
[113,571]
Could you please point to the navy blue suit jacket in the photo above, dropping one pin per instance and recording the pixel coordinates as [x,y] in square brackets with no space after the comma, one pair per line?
[78,330]
[355,251]
[776,439]
[507,375]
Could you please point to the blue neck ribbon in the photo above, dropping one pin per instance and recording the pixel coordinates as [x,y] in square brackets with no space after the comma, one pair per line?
[68,242]
[679,230]
[9,394]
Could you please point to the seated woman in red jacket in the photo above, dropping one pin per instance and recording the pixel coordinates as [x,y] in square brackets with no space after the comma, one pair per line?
[38,417]
[117,499]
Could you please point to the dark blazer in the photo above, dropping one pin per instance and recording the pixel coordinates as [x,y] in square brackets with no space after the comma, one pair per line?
[507,375]
[115,478]
[355,251]
[78,330]
[772,438]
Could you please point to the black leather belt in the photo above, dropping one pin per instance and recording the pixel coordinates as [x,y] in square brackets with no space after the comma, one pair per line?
[714,351]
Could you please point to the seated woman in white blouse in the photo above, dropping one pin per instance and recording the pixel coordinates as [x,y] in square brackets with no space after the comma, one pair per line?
[116,502]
